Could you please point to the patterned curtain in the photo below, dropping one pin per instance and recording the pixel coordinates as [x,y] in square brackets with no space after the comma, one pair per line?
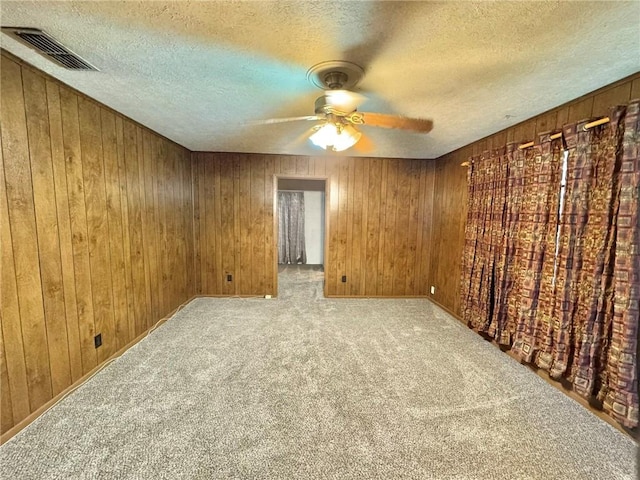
[291,245]
[621,389]
[537,229]
[502,326]
[586,254]
[598,265]
[562,288]
[478,260]
[494,200]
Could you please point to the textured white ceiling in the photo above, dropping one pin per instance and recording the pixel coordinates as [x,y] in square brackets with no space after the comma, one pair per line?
[197,72]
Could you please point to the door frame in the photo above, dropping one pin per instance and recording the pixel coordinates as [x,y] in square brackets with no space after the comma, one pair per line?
[327,191]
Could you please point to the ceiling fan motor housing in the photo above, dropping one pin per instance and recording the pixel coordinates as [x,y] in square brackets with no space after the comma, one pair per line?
[321,105]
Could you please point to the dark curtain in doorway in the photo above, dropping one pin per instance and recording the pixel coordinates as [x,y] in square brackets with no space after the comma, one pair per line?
[291,245]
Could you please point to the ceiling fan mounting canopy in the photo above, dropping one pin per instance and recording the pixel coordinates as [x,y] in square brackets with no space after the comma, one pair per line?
[335,75]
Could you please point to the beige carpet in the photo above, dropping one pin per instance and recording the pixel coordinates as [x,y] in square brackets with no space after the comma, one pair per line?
[306,387]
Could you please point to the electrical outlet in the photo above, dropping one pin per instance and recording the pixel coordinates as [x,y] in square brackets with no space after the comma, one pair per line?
[344,279]
[433,290]
[229,278]
[97,340]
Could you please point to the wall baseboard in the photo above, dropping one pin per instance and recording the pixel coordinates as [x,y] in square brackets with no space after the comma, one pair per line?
[375,296]
[449,311]
[35,414]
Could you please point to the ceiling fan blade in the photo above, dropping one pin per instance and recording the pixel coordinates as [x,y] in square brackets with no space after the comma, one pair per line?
[301,140]
[385,23]
[270,121]
[364,145]
[421,125]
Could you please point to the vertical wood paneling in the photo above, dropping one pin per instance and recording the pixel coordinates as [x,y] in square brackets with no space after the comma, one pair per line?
[97,223]
[135,225]
[611,97]
[331,237]
[578,111]
[215,229]
[188,273]
[390,253]
[428,228]
[144,227]
[354,237]
[227,225]
[126,239]
[195,179]
[362,199]
[245,226]
[6,417]
[450,191]
[635,88]
[149,231]
[81,212]
[18,391]
[210,236]
[403,203]
[22,221]
[422,211]
[185,226]
[64,230]
[341,232]
[258,225]
[449,203]
[114,222]
[544,123]
[380,228]
[352,276]
[269,252]
[414,221]
[163,240]
[35,97]
[235,232]
[78,219]
[373,228]
[157,202]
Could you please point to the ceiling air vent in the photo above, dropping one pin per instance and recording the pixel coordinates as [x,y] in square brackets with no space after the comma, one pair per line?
[46,45]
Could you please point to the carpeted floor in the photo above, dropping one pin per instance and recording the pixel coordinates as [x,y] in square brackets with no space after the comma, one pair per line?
[305,387]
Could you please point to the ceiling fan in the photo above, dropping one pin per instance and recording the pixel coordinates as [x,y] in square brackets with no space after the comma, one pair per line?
[337,112]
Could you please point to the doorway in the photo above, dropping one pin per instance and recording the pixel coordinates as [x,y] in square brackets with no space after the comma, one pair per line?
[300,224]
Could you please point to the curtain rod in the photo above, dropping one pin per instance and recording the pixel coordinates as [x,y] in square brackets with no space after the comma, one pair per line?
[595,123]
[530,144]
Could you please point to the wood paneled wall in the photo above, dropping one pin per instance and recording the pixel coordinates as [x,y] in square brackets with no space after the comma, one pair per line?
[96,235]
[379,223]
[450,195]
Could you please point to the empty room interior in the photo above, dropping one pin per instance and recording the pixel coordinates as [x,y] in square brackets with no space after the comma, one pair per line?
[319,239]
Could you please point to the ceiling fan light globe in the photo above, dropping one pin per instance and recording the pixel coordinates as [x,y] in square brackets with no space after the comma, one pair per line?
[330,137]
[324,136]
[346,139]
